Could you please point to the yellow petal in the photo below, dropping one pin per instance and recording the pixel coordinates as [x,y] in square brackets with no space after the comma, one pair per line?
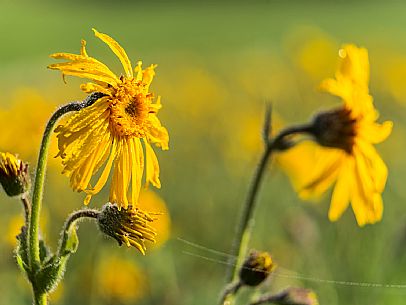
[365,200]
[157,134]
[152,166]
[324,174]
[377,169]
[92,87]
[354,64]
[87,70]
[137,168]
[105,174]
[118,50]
[342,190]
[375,133]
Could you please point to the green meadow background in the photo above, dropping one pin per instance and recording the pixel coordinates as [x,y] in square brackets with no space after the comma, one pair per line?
[218,63]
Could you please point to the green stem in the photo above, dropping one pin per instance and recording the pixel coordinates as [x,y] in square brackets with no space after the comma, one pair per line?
[27,208]
[40,298]
[33,232]
[244,229]
[87,213]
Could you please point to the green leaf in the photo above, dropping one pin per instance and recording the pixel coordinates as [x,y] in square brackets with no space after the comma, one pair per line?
[22,249]
[72,242]
[49,276]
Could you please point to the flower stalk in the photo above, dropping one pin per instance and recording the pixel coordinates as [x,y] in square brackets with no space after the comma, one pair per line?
[244,228]
[33,225]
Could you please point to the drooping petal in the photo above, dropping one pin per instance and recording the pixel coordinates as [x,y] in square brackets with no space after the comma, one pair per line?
[341,194]
[104,175]
[152,166]
[157,134]
[323,175]
[374,164]
[374,132]
[137,167]
[86,68]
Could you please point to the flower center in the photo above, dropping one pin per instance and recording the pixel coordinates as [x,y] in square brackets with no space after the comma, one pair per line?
[129,110]
[336,128]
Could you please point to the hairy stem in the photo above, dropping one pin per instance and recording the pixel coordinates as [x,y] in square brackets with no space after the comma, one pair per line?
[27,207]
[87,213]
[33,231]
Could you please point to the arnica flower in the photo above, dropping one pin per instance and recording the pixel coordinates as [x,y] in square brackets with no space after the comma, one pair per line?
[127,226]
[110,131]
[14,176]
[348,133]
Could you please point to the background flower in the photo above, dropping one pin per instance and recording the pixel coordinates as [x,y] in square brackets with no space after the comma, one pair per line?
[241,52]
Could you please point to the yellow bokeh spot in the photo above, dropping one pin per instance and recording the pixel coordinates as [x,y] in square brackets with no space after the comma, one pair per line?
[151,202]
[121,280]
[25,121]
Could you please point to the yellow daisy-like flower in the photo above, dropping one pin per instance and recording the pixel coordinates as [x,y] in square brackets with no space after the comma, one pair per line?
[110,131]
[349,132]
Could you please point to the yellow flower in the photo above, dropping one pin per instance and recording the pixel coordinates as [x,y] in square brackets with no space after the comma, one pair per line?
[121,281]
[150,201]
[25,117]
[348,133]
[110,131]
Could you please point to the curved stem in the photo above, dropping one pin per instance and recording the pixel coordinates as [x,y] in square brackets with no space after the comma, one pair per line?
[244,228]
[230,291]
[27,207]
[33,237]
[87,213]
[33,225]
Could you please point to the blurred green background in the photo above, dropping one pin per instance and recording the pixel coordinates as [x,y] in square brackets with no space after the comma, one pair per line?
[217,65]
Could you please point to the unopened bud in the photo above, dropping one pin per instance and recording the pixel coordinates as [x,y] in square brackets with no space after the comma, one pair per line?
[299,296]
[128,226]
[14,176]
[256,268]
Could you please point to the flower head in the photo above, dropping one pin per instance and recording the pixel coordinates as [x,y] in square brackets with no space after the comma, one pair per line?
[128,226]
[256,268]
[109,132]
[348,133]
[14,176]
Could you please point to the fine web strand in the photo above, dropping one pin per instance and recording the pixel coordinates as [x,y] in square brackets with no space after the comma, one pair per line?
[282,272]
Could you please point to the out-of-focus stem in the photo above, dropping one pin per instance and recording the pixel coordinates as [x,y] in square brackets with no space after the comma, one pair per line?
[244,228]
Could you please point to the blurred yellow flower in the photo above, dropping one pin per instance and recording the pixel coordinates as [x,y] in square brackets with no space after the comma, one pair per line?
[150,201]
[348,134]
[25,121]
[13,229]
[15,223]
[121,281]
[112,128]
[312,51]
